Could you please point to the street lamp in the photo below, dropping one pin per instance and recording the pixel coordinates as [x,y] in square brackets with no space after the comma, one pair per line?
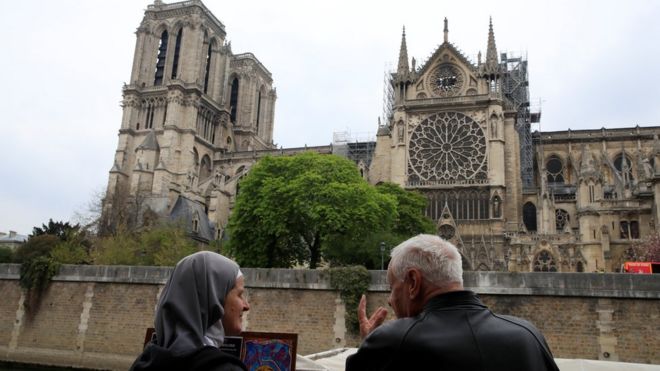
[382,251]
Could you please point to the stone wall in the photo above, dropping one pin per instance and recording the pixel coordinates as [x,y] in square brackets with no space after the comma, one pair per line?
[96,316]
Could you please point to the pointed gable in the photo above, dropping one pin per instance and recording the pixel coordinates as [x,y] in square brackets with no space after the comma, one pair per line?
[449,62]
[150,142]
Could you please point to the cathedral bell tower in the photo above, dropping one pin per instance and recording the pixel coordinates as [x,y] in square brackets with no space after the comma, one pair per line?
[189,101]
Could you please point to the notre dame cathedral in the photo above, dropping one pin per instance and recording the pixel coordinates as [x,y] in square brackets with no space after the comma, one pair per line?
[196,117]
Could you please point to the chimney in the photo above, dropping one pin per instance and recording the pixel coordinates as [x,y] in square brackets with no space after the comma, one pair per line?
[12,234]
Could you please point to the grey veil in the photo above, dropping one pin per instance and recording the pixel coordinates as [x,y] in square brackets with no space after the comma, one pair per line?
[192,303]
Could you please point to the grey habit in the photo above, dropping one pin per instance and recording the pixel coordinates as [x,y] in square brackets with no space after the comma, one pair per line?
[191,305]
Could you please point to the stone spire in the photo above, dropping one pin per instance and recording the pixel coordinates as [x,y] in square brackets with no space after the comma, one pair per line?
[446,30]
[491,52]
[403,55]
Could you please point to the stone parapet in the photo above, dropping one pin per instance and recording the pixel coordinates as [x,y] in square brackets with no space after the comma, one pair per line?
[604,285]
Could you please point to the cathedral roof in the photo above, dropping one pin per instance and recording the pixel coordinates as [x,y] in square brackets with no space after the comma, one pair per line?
[445,46]
[185,211]
[150,142]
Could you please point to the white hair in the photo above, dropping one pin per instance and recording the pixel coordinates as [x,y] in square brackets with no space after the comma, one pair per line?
[437,259]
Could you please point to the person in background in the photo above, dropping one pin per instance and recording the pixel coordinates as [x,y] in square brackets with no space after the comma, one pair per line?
[201,303]
[439,325]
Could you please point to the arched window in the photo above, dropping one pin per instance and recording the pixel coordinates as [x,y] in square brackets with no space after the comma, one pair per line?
[623,166]
[562,219]
[205,168]
[529,216]
[195,223]
[233,99]
[195,158]
[160,62]
[554,170]
[177,52]
[258,110]
[207,69]
[544,262]
[579,267]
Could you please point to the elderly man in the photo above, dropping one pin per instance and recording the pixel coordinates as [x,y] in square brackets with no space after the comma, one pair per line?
[439,325]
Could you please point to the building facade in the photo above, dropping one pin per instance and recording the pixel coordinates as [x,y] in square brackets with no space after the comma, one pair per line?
[513,200]
[189,104]
[196,117]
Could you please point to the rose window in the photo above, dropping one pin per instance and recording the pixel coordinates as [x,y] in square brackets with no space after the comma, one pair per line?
[447,146]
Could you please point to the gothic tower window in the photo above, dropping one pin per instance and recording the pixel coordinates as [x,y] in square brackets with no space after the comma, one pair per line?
[160,62]
[150,111]
[554,170]
[258,109]
[207,68]
[544,262]
[623,166]
[562,219]
[529,216]
[579,267]
[177,52]
[233,99]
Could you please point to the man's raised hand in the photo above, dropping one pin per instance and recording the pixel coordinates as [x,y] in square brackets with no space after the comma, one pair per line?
[367,325]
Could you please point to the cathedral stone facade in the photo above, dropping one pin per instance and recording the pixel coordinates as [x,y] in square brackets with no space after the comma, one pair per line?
[510,199]
[190,105]
[196,117]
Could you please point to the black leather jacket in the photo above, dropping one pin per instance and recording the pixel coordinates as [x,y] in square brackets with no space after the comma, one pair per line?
[455,331]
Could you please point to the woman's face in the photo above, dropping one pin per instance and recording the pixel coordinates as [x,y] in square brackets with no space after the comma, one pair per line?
[235,305]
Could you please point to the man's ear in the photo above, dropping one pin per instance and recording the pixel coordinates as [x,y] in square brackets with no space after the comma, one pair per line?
[414,277]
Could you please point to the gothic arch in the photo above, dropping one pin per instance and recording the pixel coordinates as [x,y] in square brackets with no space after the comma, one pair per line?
[562,219]
[554,169]
[205,168]
[177,32]
[195,158]
[161,56]
[529,216]
[619,165]
[234,90]
[544,261]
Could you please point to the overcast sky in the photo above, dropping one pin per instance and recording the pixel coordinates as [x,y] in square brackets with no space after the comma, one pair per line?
[592,64]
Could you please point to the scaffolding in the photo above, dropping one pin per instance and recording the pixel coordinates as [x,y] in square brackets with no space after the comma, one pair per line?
[357,147]
[516,89]
[388,98]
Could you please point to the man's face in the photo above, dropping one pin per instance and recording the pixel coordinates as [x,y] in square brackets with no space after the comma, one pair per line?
[235,305]
[399,299]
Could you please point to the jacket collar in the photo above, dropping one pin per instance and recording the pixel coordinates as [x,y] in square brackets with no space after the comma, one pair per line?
[454,299]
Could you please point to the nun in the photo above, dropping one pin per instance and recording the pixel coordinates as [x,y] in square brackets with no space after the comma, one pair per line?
[202,302]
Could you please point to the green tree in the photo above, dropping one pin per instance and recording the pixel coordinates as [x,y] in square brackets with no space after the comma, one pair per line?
[294,209]
[161,245]
[166,244]
[6,255]
[410,210]
[60,229]
[365,249]
[121,248]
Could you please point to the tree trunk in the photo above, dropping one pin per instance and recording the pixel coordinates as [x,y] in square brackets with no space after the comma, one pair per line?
[315,252]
